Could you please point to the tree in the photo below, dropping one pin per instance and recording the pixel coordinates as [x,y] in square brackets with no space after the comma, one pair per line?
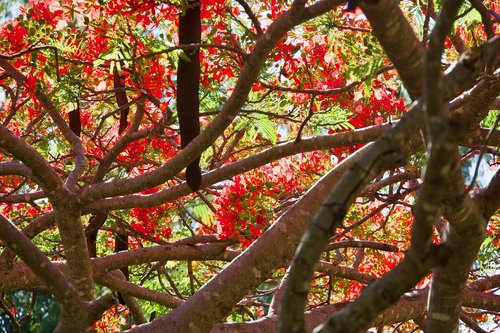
[316,126]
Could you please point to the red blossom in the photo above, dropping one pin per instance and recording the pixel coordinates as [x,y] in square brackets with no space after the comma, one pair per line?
[29,85]
[15,34]
[42,10]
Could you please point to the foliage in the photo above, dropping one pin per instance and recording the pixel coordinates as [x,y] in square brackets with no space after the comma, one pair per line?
[70,68]
[37,313]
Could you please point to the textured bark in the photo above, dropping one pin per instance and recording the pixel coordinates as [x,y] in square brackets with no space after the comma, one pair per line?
[118,283]
[20,277]
[465,232]
[68,219]
[394,33]
[215,251]
[409,307]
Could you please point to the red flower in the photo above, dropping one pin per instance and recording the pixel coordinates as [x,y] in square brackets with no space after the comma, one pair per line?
[15,34]
[41,11]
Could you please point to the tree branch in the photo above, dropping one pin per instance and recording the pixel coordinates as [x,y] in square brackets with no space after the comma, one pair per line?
[399,41]
[344,272]
[43,173]
[74,311]
[362,244]
[410,306]
[124,287]
[215,251]
[252,16]
[14,168]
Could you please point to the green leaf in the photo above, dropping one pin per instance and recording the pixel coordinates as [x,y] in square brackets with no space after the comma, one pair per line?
[184,57]
[204,213]
[347,125]
[266,128]
[418,17]
[239,124]
[98,62]
[112,67]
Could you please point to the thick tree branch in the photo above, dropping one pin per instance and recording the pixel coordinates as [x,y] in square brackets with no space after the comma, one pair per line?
[74,313]
[399,41]
[486,283]
[410,306]
[124,287]
[465,233]
[121,144]
[215,251]
[14,168]
[68,219]
[42,171]
[441,145]
[20,277]
[22,198]
[344,272]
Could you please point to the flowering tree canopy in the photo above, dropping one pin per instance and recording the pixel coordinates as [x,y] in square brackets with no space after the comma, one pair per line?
[246,166]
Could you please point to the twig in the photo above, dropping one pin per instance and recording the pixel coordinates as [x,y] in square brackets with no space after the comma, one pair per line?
[483,148]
